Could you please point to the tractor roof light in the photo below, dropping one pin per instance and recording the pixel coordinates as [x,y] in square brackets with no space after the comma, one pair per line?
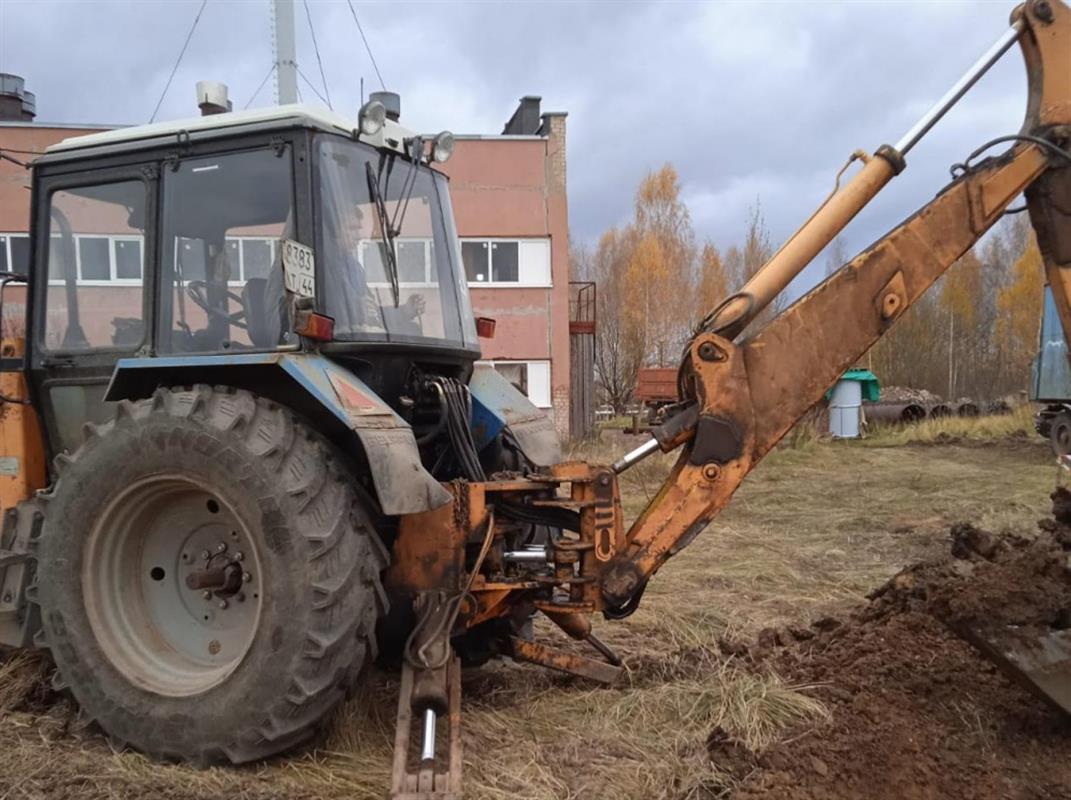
[371,117]
[442,147]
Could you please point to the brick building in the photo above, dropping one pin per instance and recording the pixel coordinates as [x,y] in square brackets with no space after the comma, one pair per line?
[509,197]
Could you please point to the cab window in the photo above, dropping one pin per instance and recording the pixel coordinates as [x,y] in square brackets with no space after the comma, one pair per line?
[95,267]
[224,218]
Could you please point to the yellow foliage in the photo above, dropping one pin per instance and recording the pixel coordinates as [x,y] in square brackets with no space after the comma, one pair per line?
[1019,306]
[961,293]
[713,282]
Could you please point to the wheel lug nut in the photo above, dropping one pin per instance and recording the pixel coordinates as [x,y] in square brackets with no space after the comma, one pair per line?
[207,595]
[239,556]
[205,554]
[221,547]
[246,577]
[222,603]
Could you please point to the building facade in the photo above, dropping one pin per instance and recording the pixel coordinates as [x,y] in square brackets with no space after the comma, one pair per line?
[509,198]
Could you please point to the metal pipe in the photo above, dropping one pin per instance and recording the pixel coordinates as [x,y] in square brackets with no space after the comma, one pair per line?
[894,412]
[427,745]
[960,88]
[635,456]
[802,247]
[525,556]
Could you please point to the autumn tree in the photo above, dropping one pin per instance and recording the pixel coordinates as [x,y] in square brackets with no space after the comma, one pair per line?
[1019,307]
[713,285]
[619,346]
[960,300]
[661,271]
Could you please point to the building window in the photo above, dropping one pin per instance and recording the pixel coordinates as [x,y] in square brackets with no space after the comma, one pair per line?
[532,378]
[249,257]
[15,252]
[414,257]
[506,262]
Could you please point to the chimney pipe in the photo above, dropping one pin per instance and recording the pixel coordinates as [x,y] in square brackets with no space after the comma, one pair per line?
[212,98]
[15,102]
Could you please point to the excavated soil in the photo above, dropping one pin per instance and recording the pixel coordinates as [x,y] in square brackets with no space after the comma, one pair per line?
[916,711]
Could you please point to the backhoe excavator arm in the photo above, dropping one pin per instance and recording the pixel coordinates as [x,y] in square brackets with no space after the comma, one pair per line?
[468,570]
[747,395]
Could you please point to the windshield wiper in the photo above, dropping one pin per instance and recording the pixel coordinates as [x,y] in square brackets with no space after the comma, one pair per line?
[392,228]
[388,232]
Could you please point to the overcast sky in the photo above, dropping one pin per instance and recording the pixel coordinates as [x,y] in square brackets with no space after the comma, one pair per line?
[748,100]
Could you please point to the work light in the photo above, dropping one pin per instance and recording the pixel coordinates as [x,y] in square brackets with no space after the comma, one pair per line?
[371,117]
[443,146]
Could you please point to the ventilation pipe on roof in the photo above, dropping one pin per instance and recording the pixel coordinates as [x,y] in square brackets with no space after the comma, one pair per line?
[212,98]
[15,102]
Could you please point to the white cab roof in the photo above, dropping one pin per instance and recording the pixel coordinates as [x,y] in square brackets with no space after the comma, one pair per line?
[309,116]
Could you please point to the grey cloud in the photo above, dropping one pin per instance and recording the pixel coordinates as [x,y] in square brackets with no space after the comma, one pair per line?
[746,99]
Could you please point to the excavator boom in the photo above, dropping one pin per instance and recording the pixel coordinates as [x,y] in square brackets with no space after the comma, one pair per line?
[742,391]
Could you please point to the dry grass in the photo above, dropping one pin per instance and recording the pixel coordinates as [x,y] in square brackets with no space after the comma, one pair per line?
[1018,424]
[813,529]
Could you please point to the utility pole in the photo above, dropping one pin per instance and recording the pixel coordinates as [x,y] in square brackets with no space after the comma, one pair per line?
[285,52]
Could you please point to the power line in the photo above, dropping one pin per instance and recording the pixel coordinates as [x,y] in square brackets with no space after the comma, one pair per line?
[316,48]
[178,61]
[313,87]
[375,66]
[254,97]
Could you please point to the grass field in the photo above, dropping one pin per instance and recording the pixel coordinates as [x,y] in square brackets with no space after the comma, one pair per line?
[814,528]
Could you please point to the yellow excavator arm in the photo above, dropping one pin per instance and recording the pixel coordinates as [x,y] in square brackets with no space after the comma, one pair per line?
[741,397]
[738,396]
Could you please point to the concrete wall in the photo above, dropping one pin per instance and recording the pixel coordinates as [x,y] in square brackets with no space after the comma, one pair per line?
[516,187]
[14,180]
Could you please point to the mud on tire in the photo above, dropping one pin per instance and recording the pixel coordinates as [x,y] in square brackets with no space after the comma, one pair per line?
[318,557]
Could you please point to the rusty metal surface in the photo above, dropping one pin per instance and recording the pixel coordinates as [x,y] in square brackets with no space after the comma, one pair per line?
[429,551]
[656,383]
[561,661]
[1040,664]
[22,450]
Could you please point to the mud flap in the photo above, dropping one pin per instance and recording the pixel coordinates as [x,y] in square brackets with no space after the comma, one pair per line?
[402,484]
[499,405]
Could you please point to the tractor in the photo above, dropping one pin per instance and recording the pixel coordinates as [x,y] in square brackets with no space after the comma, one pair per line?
[267,449]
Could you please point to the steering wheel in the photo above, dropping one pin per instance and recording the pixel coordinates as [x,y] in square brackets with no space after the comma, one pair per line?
[198,292]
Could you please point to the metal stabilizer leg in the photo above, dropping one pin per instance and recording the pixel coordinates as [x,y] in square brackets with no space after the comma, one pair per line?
[436,774]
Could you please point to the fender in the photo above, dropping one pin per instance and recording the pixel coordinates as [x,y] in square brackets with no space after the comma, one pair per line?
[338,403]
[498,405]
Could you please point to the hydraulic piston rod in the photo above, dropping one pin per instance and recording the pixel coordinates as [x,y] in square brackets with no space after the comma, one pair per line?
[730,319]
[427,744]
[961,87]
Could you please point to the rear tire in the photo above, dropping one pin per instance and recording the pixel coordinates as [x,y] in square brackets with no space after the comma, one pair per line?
[1060,434]
[176,485]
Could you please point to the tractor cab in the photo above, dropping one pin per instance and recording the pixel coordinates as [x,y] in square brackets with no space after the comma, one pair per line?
[306,257]
[277,230]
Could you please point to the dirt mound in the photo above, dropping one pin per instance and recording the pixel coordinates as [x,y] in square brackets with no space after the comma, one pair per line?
[916,711]
[905,394]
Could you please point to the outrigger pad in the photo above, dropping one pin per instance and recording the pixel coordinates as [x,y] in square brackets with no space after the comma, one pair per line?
[416,778]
